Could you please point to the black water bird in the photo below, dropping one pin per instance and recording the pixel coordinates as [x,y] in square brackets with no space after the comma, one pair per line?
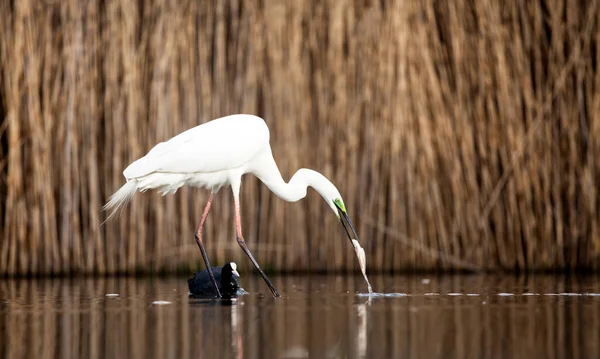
[227,278]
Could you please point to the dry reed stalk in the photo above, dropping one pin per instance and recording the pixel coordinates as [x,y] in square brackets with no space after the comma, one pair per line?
[467,128]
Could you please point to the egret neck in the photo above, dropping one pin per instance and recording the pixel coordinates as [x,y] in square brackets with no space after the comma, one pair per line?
[294,190]
[266,170]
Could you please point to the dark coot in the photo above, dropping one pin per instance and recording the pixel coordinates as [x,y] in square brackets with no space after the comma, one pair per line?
[227,277]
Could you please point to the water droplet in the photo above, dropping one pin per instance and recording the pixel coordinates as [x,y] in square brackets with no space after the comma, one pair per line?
[161,302]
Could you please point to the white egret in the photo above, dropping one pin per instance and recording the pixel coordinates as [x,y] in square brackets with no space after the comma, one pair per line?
[217,154]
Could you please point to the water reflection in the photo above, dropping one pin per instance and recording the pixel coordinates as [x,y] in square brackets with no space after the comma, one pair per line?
[361,337]
[321,317]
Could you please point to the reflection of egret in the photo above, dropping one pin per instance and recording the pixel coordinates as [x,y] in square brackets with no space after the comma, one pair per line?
[236,336]
[217,154]
[212,315]
[361,335]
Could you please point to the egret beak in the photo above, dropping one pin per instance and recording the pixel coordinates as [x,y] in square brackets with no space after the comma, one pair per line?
[360,252]
[346,223]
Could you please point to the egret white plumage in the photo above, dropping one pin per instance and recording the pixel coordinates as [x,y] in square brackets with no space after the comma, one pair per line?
[216,154]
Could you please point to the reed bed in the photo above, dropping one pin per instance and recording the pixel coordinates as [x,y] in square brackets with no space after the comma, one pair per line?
[463,135]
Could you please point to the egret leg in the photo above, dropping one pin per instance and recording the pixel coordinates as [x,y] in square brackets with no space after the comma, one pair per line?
[198,236]
[242,243]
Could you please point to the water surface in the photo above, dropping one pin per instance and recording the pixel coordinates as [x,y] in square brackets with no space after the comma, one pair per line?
[417,316]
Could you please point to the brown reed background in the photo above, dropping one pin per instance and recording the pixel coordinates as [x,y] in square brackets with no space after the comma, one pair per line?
[462,134]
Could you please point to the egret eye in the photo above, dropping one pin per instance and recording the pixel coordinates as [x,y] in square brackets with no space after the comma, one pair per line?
[338,202]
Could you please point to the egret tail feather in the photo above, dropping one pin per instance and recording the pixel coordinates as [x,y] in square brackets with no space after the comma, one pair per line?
[120,198]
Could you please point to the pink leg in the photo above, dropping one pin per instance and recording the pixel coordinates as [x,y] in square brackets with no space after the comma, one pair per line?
[205,214]
[198,236]
[238,218]
[242,243]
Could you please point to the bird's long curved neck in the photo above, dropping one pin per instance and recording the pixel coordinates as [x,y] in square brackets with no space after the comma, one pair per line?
[292,191]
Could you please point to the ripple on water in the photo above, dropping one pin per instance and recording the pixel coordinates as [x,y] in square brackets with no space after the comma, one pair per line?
[382,295]
[458,294]
[160,302]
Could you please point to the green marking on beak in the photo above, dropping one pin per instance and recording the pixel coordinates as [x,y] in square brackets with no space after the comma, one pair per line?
[338,202]
[345,220]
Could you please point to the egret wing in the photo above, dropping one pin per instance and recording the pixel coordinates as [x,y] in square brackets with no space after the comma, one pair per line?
[213,146]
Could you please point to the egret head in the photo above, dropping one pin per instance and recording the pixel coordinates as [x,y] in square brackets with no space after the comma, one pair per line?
[339,208]
[330,194]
